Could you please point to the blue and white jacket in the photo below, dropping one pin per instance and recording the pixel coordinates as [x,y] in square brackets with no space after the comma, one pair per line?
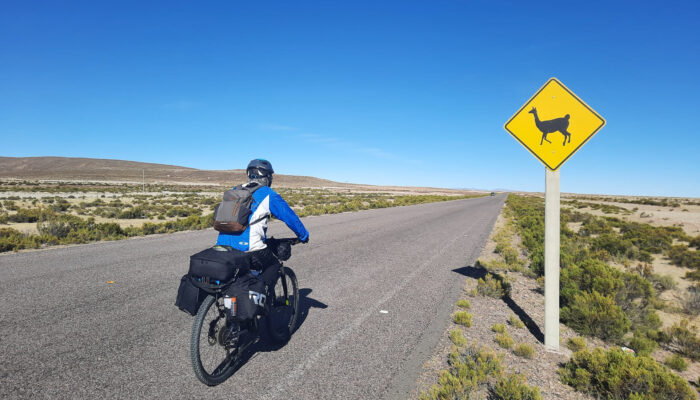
[266,202]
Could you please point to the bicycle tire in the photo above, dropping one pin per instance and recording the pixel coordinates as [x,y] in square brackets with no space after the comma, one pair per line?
[200,341]
[279,308]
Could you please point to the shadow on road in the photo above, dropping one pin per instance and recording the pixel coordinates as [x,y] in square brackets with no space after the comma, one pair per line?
[479,273]
[265,344]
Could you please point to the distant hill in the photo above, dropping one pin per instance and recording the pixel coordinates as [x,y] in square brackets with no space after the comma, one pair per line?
[93,169]
[101,170]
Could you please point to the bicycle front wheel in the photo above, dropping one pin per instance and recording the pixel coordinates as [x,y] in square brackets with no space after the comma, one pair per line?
[284,310]
[213,359]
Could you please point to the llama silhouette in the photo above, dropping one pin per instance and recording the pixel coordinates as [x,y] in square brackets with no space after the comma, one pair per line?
[553,125]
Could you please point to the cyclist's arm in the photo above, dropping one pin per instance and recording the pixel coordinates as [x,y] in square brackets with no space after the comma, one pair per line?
[281,210]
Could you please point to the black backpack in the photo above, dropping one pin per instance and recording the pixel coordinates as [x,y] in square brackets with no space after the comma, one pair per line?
[231,215]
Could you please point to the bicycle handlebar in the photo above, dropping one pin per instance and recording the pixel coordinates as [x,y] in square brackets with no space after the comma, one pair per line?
[291,241]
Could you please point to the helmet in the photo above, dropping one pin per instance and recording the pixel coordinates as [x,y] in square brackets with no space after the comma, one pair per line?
[260,171]
[259,168]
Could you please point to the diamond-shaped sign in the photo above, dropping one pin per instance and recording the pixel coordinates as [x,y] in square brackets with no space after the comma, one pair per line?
[554,123]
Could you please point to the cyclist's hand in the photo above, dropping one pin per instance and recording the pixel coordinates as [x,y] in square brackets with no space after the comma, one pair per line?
[305,240]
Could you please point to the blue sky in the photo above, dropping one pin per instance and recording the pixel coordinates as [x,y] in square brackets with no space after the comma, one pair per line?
[390,92]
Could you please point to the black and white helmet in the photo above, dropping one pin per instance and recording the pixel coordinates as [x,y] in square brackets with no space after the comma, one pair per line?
[260,171]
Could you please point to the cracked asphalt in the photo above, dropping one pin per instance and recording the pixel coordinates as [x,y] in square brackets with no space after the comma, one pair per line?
[377,289]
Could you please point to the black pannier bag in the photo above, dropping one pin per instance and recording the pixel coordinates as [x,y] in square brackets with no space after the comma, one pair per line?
[218,264]
[250,295]
[189,296]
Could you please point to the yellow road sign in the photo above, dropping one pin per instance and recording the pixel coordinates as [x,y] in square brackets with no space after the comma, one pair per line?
[554,123]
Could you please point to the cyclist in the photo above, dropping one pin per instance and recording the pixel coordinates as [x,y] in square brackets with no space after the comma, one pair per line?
[266,202]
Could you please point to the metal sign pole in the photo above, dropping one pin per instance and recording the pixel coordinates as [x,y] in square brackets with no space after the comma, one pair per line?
[551,259]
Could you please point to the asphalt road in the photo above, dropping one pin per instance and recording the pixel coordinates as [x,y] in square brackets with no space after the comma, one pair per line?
[66,333]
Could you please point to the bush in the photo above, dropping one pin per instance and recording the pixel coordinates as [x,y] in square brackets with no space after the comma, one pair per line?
[515,322]
[504,340]
[676,362]
[524,350]
[457,337]
[463,318]
[684,257]
[470,367]
[54,227]
[463,304]
[576,343]
[498,328]
[513,387]
[596,315]
[691,301]
[493,285]
[681,338]
[642,344]
[695,242]
[614,374]
[662,283]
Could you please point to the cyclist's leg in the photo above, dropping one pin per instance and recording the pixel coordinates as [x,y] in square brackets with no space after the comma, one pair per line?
[269,264]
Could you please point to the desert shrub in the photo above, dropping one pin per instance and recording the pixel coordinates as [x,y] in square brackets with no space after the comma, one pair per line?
[636,297]
[182,212]
[457,337]
[577,343]
[642,344]
[11,239]
[614,374]
[493,285]
[133,213]
[681,338]
[676,362]
[498,328]
[695,242]
[504,340]
[55,227]
[682,256]
[26,215]
[662,283]
[632,294]
[463,318]
[524,350]
[515,322]
[513,387]
[691,301]
[463,304]
[590,275]
[493,265]
[529,219]
[614,245]
[595,226]
[654,239]
[596,315]
[469,367]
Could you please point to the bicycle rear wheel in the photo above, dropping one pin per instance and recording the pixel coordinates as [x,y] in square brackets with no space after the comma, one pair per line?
[282,319]
[213,358]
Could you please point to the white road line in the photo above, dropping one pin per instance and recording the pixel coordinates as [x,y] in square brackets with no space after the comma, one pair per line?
[300,368]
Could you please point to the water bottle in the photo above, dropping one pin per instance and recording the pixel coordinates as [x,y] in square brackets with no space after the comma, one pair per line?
[255,273]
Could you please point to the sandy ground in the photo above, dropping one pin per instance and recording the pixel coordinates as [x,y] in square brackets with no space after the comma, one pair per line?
[686,216]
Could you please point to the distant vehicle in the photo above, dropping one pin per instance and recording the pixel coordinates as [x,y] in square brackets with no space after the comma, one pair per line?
[493,194]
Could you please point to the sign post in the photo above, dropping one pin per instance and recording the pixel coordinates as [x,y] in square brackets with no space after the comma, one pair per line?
[552,116]
[551,260]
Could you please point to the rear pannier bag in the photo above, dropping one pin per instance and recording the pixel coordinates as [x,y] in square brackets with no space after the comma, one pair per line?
[189,296]
[231,215]
[250,295]
[219,264]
